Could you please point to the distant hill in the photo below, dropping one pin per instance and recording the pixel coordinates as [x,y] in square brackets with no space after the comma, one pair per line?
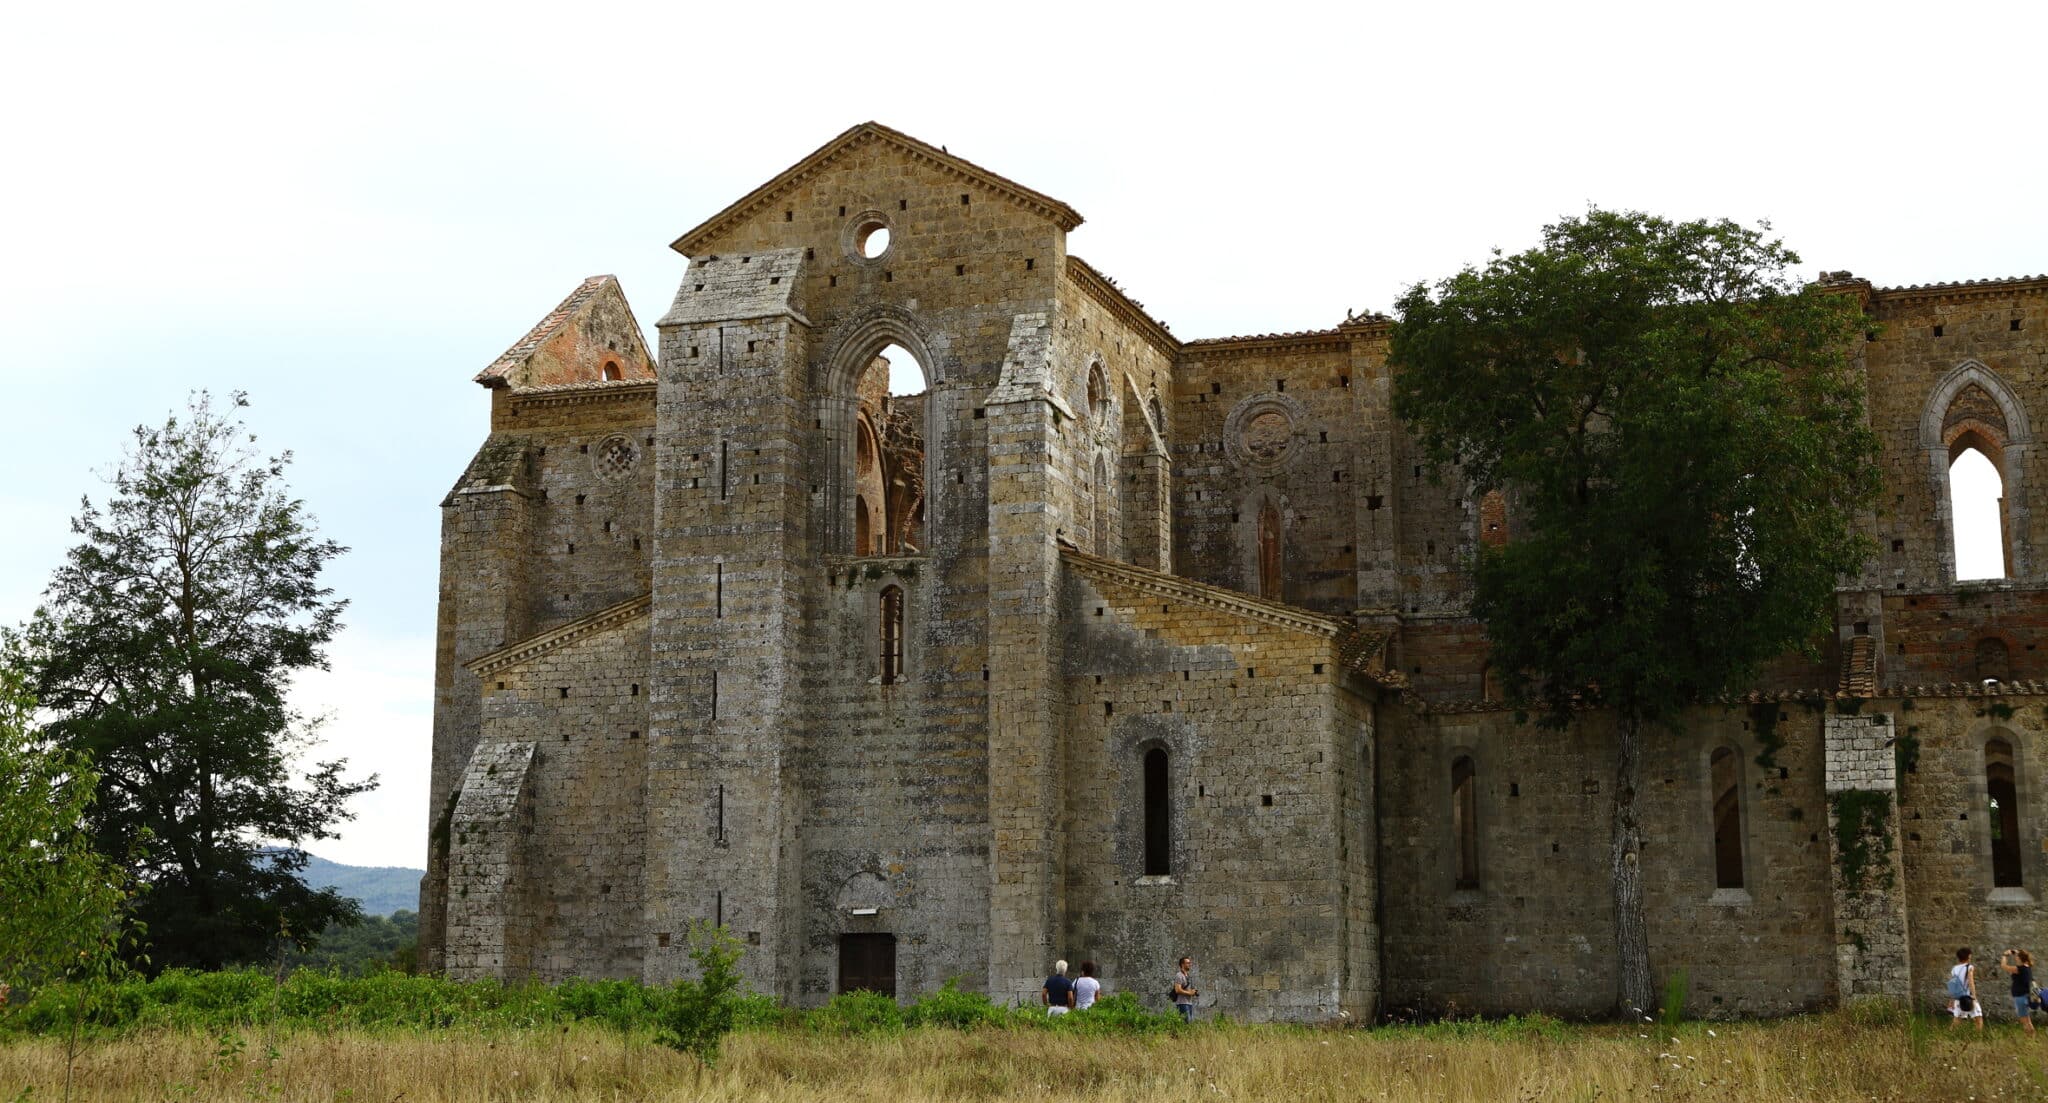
[381,890]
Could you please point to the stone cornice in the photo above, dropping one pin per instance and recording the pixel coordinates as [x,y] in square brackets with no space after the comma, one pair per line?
[1111,298]
[583,394]
[1966,689]
[1210,348]
[1966,289]
[537,645]
[1044,206]
[1189,591]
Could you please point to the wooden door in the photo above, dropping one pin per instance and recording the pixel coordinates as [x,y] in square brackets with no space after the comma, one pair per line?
[867,963]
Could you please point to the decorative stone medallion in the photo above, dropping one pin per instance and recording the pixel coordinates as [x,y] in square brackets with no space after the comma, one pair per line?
[1264,433]
[614,459]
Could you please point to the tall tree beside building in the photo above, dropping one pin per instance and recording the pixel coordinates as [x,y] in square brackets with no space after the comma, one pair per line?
[1676,422]
[164,649]
[63,905]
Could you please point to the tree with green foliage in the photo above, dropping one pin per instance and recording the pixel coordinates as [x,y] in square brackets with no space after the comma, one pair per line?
[63,906]
[373,944]
[1678,425]
[701,1012]
[164,650]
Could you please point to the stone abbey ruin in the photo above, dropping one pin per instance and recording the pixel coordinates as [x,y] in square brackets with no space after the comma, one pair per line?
[1119,646]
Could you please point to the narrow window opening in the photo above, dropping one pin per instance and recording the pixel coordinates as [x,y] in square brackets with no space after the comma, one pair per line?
[1464,825]
[1726,771]
[714,695]
[724,465]
[1158,815]
[1977,513]
[1937,331]
[720,834]
[718,592]
[892,634]
[611,371]
[1493,519]
[2001,785]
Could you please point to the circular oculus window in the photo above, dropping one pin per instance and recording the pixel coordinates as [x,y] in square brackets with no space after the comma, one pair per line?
[867,236]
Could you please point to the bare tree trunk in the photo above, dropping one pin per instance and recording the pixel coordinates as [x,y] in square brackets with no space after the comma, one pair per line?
[1631,929]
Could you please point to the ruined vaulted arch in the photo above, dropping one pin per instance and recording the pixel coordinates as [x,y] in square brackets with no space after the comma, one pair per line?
[849,350]
[855,343]
[1972,408]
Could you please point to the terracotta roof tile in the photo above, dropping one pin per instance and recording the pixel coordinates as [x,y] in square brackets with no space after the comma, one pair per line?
[526,346]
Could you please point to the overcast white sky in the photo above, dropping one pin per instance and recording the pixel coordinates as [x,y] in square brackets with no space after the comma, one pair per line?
[348,209]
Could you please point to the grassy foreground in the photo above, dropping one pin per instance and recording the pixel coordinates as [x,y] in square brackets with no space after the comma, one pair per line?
[1832,1057]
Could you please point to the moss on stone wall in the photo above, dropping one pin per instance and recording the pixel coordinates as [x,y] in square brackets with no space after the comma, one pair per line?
[1863,838]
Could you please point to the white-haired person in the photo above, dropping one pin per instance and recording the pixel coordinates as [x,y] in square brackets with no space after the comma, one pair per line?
[1057,994]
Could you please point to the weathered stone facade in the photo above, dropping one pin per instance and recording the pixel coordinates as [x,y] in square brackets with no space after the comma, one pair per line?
[1114,646]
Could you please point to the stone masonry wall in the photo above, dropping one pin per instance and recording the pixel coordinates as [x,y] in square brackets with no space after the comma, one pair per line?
[1537,932]
[1945,825]
[1267,748]
[582,706]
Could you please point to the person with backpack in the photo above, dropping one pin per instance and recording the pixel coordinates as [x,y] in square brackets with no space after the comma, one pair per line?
[2026,995]
[1962,991]
[1057,994]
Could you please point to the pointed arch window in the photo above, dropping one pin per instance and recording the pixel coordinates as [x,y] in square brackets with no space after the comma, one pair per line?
[1975,432]
[1465,821]
[892,634]
[611,370]
[2001,787]
[1158,815]
[1725,769]
[1101,522]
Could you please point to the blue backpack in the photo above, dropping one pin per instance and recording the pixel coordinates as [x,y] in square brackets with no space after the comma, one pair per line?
[1957,986]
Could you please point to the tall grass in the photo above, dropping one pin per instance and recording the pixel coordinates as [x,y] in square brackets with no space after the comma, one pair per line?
[1825,1058]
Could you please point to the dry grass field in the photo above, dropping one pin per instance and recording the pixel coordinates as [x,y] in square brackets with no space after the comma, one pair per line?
[1823,1058]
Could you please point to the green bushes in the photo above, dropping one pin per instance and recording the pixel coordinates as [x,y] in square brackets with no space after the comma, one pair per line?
[951,1008]
[691,1015]
[857,1013]
[1120,1013]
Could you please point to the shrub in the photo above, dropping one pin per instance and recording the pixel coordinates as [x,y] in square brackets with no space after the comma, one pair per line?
[857,1013]
[949,1007]
[701,1012]
[1672,1011]
[1120,1013]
